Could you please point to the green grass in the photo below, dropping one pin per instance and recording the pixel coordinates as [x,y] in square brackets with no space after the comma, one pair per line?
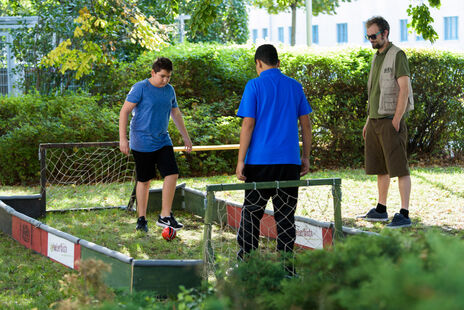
[27,280]
[115,229]
[437,197]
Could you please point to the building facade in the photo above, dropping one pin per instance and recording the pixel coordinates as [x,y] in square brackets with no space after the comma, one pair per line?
[347,26]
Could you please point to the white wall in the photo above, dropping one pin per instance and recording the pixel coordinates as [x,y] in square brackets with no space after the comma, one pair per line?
[354,14]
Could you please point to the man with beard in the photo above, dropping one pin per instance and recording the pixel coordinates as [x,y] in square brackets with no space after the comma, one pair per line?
[390,98]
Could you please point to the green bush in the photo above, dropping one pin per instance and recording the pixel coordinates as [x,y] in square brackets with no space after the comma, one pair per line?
[391,271]
[437,123]
[335,86]
[207,126]
[29,120]
[205,72]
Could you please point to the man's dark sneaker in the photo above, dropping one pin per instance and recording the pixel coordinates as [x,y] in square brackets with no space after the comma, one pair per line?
[374,216]
[399,221]
[142,224]
[169,221]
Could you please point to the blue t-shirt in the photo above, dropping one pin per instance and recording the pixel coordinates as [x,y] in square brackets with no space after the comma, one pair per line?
[275,101]
[150,117]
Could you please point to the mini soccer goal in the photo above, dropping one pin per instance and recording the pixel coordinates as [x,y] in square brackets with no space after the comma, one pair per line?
[222,219]
[104,175]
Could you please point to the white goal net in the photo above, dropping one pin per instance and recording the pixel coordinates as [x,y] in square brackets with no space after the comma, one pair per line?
[85,175]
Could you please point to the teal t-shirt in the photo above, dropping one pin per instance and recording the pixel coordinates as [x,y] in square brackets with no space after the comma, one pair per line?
[150,117]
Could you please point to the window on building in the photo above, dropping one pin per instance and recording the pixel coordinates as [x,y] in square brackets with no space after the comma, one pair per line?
[281,34]
[265,33]
[290,35]
[342,33]
[316,34]
[255,35]
[451,28]
[403,30]
[419,37]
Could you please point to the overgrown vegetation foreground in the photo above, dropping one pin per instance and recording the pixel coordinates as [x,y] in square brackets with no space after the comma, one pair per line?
[209,81]
[391,271]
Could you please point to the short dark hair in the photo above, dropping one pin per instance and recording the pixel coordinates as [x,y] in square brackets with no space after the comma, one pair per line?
[162,63]
[380,22]
[267,53]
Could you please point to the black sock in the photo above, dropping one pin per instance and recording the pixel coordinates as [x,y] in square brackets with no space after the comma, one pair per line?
[142,218]
[405,213]
[381,208]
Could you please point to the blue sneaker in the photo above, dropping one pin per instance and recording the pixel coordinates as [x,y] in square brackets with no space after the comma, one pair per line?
[374,216]
[399,221]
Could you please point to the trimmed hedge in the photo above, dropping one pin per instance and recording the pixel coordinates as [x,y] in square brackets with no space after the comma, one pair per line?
[209,81]
[203,72]
[29,120]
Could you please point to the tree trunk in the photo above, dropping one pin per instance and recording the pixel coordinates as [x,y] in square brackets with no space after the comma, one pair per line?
[293,7]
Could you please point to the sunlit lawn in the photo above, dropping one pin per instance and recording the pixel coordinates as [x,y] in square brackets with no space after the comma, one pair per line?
[437,197]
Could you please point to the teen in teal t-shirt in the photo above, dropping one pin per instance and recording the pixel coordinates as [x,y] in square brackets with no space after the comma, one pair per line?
[149,124]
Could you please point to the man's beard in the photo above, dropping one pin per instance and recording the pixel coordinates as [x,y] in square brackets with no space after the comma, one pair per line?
[377,45]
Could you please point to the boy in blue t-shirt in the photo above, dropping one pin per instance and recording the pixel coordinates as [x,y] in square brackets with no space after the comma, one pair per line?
[271,107]
[152,102]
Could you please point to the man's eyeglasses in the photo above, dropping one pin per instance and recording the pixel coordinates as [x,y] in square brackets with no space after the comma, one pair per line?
[373,36]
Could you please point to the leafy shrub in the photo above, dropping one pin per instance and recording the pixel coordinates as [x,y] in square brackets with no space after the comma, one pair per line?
[438,119]
[391,271]
[205,72]
[86,288]
[207,126]
[335,86]
[29,120]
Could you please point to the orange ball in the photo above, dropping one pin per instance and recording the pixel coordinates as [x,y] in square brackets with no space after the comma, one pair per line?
[169,233]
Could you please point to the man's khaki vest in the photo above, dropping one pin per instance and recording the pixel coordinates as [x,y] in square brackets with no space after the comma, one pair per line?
[389,88]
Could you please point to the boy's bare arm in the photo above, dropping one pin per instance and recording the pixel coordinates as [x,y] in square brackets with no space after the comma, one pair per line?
[123,120]
[248,125]
[306,129]
[179,122]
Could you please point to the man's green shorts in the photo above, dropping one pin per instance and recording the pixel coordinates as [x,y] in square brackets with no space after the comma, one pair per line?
[385,149]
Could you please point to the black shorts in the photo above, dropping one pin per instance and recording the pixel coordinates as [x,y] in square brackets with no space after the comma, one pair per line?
[147,162]
[267,173]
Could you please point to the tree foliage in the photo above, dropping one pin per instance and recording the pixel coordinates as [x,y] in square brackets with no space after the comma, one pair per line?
[101,29]
[229,23]
[422,20]
[76,37]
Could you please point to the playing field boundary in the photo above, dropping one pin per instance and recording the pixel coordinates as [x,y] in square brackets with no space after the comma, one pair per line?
[134,274]
[161,276]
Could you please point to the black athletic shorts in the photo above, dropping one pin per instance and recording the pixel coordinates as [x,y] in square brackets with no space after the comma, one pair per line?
[147,162]
[268,173]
